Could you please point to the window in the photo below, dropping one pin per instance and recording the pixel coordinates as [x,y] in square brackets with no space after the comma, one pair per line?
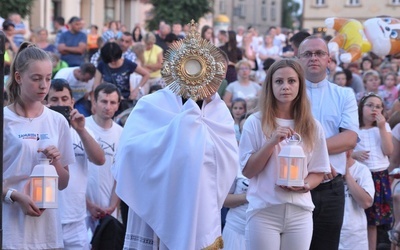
[222,7]
[319,2]
[273,11]
[109,9]
[56,5]
[395,2]
[242,10]
[353,2]
[264,10]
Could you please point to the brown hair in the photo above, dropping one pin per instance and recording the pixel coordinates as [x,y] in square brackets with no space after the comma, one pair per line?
[361,105]
[301,110]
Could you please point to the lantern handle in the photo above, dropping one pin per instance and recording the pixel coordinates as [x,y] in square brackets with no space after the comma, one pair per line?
[295,138]
[45,159]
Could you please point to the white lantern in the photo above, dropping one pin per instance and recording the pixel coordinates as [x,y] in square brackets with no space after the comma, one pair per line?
[292,163]
[44,185]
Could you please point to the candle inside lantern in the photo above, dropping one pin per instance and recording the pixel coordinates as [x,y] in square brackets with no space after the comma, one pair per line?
[49,195]
[294,172]
[50,190]
[38,194]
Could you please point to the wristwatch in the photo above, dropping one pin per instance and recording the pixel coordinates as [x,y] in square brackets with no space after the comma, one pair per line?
[7,198]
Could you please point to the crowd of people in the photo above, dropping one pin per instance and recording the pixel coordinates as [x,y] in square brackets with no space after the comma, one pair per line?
[278,84]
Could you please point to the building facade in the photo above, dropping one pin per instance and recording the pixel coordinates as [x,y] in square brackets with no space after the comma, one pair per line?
[316,11]
[98,12]
[260,14]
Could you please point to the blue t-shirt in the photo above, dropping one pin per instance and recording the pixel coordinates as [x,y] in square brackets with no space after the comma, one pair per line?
[118,76]
[51,48]
[19,38]
[72,40]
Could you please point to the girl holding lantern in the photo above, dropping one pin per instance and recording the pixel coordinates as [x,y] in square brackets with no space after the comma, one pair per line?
[31,132]
[280,217]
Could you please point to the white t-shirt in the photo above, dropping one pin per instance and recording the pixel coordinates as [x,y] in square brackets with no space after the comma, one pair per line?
[334,107]
[79,88]
[246,92]
[22,138]
[272,51]
[354,229]
[396,132]
[72,199]
[236,217]
[100,179]
[263,191]
[370,140]
[256,42]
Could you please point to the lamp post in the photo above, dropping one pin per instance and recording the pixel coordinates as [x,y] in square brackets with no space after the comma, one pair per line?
[292,163]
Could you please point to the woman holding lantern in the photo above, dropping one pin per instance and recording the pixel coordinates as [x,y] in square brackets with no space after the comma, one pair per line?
[280,215]
[32,132]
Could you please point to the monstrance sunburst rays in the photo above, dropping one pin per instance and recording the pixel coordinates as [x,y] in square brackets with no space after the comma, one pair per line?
[193,67]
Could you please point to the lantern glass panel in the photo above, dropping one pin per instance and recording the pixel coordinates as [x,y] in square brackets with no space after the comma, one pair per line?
[50,189]
[37,189]
[293,172]
[283,170]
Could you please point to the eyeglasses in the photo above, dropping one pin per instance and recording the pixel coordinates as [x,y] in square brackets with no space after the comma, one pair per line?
[372,106]
[318,53]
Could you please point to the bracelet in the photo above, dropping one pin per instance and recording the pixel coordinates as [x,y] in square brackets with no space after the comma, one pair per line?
[7,198]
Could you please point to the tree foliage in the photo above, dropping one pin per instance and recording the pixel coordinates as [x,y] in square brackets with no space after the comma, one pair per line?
[177,11]
[22,7]
[290,13]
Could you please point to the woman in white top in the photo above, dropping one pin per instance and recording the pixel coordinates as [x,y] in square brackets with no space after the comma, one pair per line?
[31,131]
[242,88]
[268,49]
[280,217]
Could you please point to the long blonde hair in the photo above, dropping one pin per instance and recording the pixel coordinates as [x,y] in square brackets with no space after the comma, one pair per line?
[27,53]
[304,123]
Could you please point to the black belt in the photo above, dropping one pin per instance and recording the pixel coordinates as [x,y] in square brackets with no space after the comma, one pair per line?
[335,182]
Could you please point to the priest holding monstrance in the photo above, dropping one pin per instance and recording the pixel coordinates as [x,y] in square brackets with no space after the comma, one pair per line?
[178,156]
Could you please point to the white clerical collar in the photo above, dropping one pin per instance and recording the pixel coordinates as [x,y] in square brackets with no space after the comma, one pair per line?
[320,84]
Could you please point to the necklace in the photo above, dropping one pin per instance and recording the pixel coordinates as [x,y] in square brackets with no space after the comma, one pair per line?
[30,119]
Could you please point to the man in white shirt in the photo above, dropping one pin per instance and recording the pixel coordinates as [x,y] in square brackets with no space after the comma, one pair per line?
[100,195]
[336,109]
[80,79]
[73,198]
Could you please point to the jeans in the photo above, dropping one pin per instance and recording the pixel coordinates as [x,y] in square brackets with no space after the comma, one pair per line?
[328,199]
[280,227]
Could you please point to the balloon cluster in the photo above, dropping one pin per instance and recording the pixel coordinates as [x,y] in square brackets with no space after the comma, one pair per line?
[380,35]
